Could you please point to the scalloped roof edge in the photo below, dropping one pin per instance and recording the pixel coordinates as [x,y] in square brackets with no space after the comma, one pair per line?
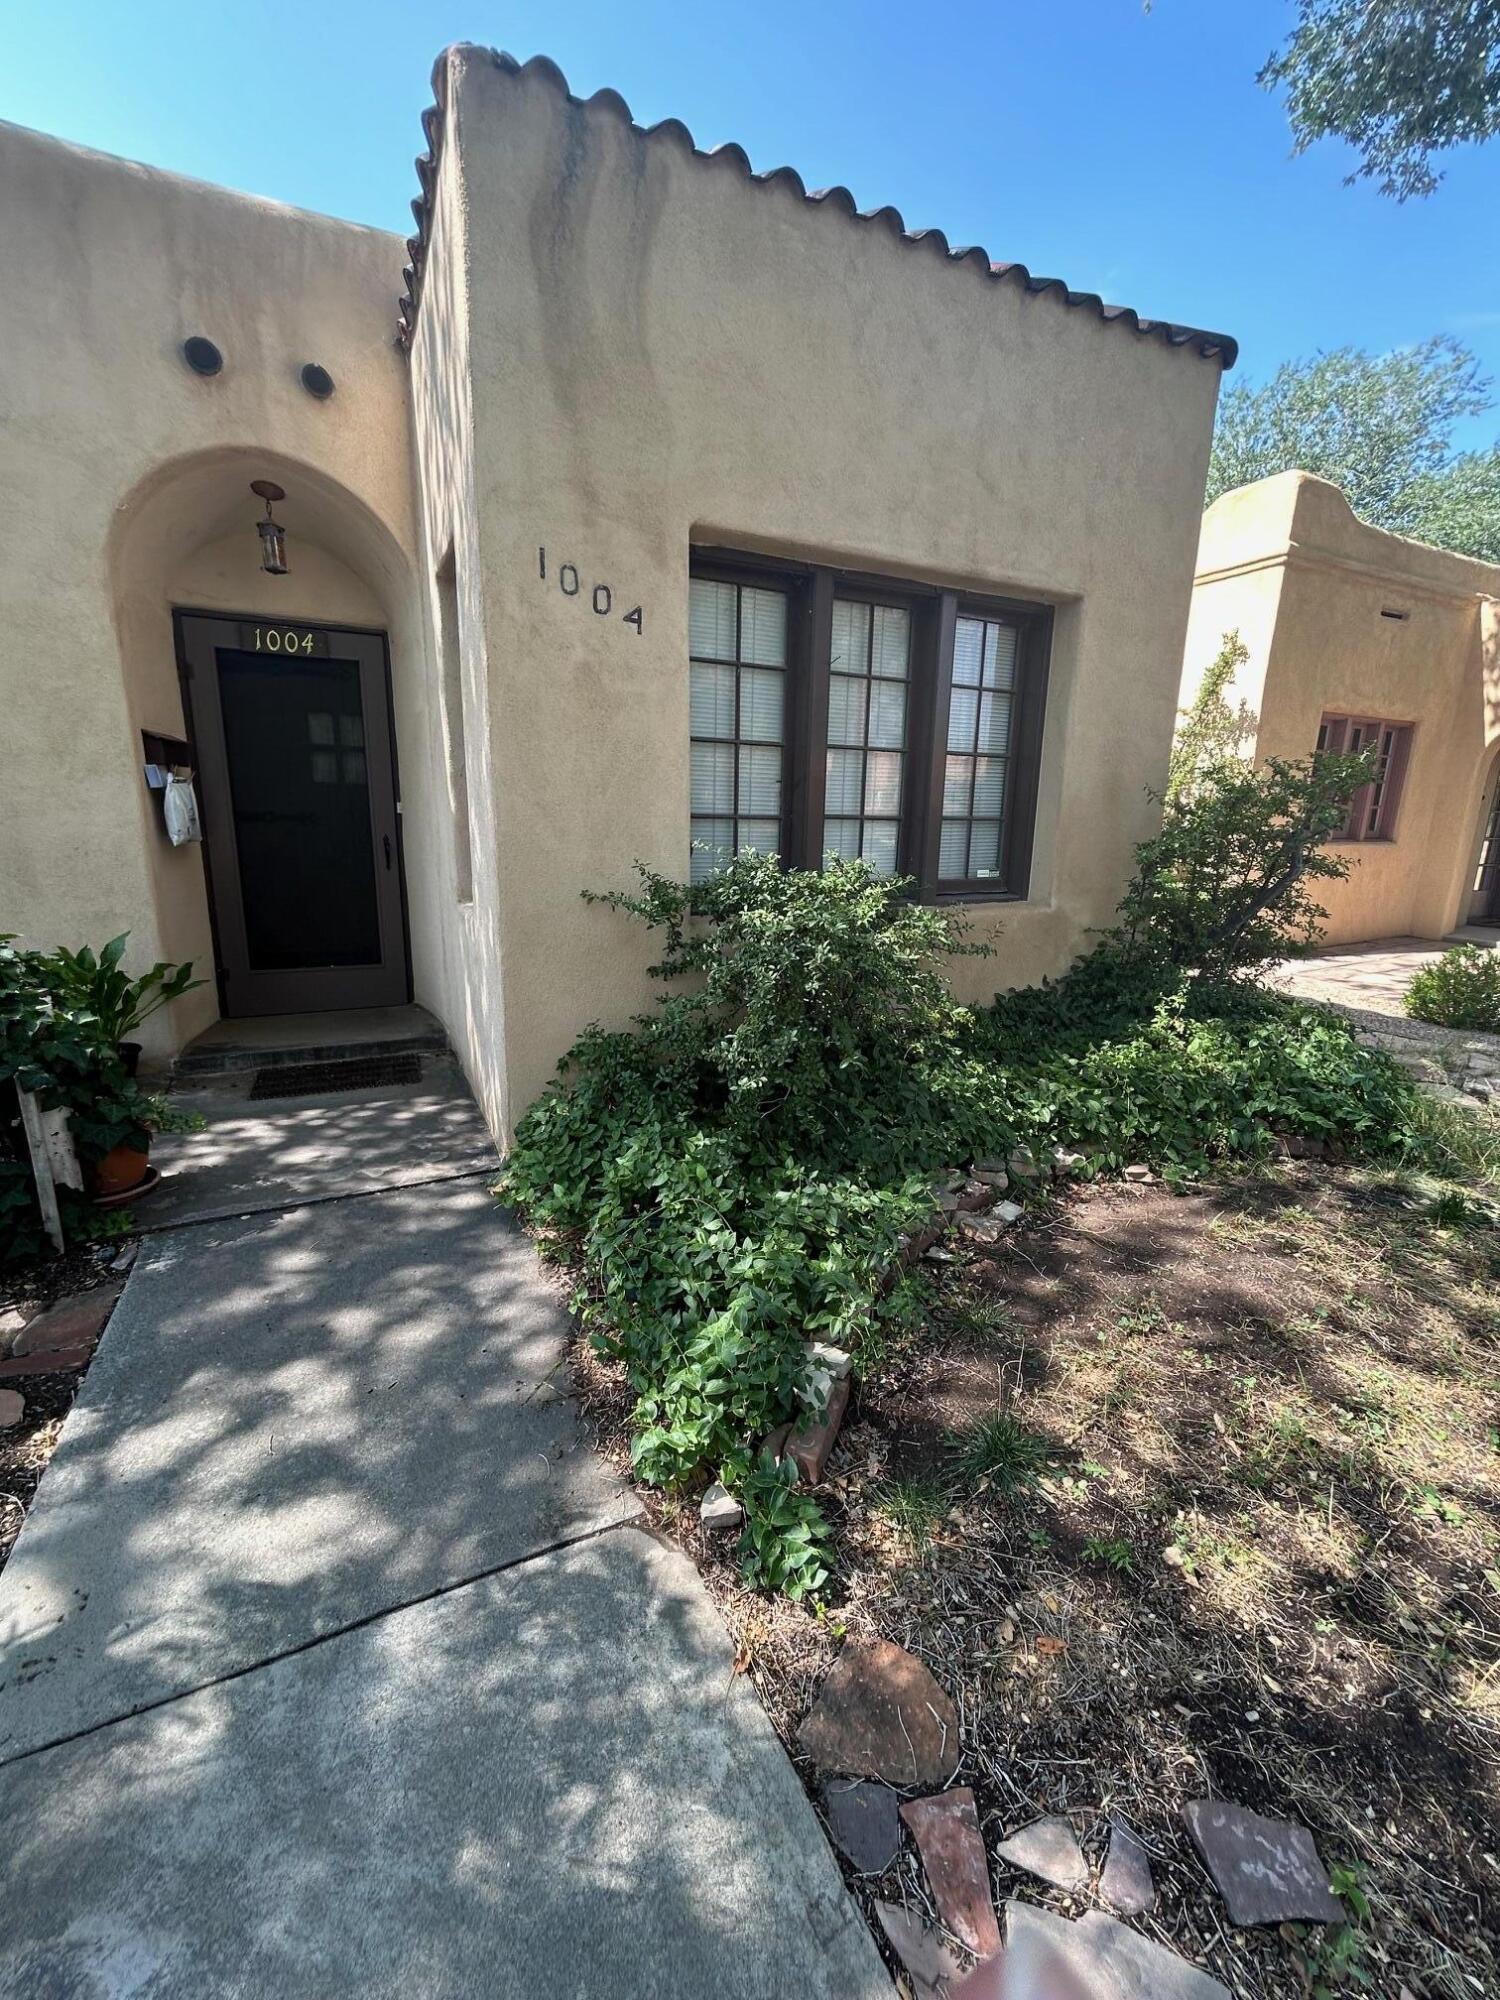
[1210,346]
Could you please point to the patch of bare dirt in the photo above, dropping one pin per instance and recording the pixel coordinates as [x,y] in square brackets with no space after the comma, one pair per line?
[1190,1496]
[27,1447]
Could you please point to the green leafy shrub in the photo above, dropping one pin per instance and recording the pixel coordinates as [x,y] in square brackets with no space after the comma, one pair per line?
[93,983]
[58,1049]
[1459,990]
[1226,886]
[813,997]
[1195,1075]
[732,1174]
[1211,731]
[785,1544]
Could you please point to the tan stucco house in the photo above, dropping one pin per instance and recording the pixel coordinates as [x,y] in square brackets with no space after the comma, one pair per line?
[1356,636]
[638,500]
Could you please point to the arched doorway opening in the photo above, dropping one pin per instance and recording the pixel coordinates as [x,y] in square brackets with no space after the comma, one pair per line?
[1484,884]
[280,686]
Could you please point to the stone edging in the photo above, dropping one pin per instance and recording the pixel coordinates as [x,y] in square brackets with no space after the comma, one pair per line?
[1455,1062]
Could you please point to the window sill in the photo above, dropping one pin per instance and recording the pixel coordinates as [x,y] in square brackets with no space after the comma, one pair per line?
[1363,840]
[977,896]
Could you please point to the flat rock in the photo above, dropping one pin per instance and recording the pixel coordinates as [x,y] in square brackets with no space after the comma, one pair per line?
[822,1354]
[958,1873]
[864,1820]
[1139,1174]
[980,1228]
[51,1361]
[719,1509]
[1022,1164]
[928,1961]
[1007,1212]
[1045,1955]
[1048,1847]
[1267,1870]
[73,1322]
[1125,1883]
[12,1408]
[880,1714]
[810,1443]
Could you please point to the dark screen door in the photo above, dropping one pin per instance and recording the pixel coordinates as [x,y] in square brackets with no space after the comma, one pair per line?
[297,789]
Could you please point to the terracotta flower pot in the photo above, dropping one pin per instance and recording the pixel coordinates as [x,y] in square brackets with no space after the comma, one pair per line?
[121,1169]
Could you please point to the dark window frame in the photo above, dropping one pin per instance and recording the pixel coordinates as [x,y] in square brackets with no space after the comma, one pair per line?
[1382,798]
[935,611]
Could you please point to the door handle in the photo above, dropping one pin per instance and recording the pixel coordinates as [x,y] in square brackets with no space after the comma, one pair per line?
[386,843]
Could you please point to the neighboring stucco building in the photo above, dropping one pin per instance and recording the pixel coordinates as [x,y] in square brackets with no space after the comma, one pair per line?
[1357,636]
[687,505]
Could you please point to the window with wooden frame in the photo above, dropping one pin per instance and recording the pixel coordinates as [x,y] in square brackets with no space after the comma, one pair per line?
[835,714]
[737,641]
[1374,807]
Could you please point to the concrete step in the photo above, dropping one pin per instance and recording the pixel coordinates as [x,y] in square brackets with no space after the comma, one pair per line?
[272,1041]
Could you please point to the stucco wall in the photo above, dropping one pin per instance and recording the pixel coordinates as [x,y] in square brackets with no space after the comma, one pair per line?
[126,490]
[1306,583]
[462,711]
[663,352]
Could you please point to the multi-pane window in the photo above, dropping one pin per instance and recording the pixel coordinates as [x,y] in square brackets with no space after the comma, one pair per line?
[738,645]
[1372,811]
[869,669]
[979,734]
[835,715]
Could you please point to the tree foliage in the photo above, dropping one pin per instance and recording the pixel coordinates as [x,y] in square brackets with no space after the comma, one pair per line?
[1226,887]
[1211,729]
[1399,80]
[1381,428]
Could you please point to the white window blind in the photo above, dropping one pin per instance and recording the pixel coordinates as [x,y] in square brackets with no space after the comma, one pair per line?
[976,771]
[869,674]
[737,704]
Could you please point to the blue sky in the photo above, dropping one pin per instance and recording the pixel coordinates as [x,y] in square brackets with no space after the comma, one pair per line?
[1129,152]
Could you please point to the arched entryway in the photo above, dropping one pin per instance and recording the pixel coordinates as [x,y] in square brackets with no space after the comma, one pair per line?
[1484,901]
[280,683]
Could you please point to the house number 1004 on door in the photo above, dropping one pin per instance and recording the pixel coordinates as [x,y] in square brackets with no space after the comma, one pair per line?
[600,597]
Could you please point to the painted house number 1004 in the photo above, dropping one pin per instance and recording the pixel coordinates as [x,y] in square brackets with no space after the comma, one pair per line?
[602,598]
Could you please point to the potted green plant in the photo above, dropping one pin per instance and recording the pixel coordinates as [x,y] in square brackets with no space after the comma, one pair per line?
[112,1131]
[96,984]
[54,1044]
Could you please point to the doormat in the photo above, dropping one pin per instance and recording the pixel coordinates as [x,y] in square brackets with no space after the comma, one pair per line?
[322,1079]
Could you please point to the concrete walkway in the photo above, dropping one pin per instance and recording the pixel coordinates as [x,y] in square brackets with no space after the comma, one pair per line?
[333,1661]
[1372,977]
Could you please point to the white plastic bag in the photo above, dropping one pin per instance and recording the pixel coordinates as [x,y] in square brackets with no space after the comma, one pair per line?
[180,809]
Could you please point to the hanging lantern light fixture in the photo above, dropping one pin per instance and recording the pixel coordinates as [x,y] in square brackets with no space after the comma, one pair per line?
[272,534]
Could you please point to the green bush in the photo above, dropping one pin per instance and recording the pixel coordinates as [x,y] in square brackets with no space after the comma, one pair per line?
[733,1174]
[1226,886]
[814,999]
[56,1047]
[785,1545]
[1179,1078]
[1459,990]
